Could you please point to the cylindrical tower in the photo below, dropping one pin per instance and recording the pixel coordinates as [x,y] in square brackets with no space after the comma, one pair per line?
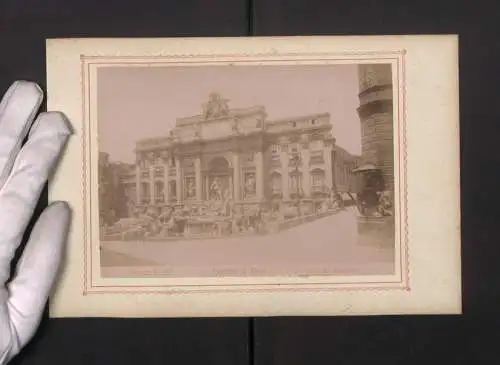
[376,116]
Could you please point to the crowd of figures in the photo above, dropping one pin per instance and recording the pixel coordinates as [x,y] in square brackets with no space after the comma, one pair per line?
[217,217]
[374,200]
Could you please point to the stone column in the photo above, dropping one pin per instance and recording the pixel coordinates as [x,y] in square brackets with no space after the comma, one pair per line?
[327,157]
[178,180]
[236,176]
[197,166]
[285,178]
[207,188]
[306,176]
[166,192]
[152,183]
[138,185]
[259,162]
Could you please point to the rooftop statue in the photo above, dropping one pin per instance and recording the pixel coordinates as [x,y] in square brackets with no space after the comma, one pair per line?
[215,107]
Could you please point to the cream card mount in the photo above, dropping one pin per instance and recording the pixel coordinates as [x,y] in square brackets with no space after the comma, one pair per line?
[258,176]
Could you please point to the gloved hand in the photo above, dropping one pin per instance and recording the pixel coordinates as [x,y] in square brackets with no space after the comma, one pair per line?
[23,174]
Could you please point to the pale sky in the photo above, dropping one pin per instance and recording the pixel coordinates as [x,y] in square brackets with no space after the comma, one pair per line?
[142,102]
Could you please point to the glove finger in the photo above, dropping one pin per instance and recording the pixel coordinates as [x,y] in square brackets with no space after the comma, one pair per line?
[17,111]
[37,269]
[21,191]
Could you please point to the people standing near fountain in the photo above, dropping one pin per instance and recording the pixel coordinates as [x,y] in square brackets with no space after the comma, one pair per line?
[385,204]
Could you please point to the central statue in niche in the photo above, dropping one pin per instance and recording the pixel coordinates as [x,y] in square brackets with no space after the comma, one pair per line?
[219,175]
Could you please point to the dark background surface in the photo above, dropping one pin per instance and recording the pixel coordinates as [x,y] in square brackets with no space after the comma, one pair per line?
[470,338]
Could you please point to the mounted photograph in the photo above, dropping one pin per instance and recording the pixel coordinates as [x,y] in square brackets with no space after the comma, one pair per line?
[258,176]
[256,171]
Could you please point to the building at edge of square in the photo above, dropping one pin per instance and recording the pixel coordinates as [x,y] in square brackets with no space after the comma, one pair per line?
[239,154]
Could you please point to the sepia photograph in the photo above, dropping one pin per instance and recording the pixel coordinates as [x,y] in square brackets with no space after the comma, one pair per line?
[246,170]
[258,176]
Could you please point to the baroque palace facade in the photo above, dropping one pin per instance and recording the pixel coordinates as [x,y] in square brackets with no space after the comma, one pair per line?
[239,154]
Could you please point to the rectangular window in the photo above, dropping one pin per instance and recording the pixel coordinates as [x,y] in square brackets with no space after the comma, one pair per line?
[295,183]
[317,180]
[158,192]
[294,159]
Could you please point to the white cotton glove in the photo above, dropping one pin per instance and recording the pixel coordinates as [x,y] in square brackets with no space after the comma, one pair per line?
[23,174]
